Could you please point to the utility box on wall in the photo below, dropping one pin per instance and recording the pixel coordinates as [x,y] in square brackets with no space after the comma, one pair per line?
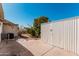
[62,33]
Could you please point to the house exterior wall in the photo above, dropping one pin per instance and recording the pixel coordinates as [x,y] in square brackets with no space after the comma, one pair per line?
[1,29]
[64,34]
[10,29]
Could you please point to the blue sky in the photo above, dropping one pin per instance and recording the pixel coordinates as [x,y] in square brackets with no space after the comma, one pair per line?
[25,13]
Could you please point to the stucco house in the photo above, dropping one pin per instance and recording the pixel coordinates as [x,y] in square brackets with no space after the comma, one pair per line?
[8,30]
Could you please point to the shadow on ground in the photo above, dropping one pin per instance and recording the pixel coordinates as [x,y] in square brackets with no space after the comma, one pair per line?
[13,48]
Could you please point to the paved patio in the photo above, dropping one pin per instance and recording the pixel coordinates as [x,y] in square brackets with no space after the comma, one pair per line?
[39,48]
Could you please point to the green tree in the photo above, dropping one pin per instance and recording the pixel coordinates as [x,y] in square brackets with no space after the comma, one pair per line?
[37,24]
[35,30]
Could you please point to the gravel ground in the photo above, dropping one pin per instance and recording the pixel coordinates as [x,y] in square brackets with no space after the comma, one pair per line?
[12,48]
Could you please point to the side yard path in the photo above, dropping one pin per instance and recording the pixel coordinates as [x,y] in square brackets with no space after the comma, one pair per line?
[39,48]
[13,48]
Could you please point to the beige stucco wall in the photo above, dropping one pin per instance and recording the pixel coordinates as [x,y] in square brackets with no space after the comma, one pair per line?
[1,27]
[10,29]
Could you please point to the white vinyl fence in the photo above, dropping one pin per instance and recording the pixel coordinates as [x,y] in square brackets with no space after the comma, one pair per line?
[63,34]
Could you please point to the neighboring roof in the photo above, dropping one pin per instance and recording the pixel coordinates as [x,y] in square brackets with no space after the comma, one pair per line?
[8,22]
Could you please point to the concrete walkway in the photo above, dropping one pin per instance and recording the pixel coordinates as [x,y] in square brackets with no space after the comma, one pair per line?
[13,48]
[39,48]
